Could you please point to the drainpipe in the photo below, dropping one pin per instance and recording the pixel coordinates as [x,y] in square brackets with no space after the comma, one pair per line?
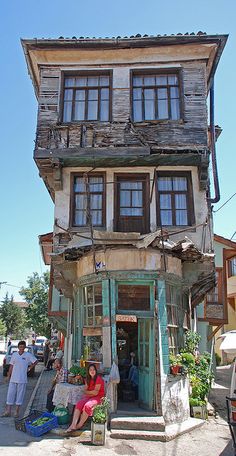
[213,148]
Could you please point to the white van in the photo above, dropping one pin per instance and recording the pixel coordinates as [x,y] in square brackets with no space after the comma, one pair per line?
[40,344]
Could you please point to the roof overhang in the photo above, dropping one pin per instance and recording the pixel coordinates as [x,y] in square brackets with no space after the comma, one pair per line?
[201,46]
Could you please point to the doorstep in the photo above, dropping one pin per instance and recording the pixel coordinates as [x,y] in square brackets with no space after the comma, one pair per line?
[171,431]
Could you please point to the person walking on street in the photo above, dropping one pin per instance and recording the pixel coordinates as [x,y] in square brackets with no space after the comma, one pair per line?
[34,348]
[21,362]
[46,352]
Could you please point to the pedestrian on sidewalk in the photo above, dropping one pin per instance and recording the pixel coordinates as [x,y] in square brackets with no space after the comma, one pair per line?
[60,377]
[46,352]
[21,362]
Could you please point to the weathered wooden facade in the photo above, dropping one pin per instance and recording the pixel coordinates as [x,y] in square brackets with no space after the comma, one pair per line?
[123,147]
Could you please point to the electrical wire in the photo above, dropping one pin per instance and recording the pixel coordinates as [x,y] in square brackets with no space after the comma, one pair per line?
[217,210]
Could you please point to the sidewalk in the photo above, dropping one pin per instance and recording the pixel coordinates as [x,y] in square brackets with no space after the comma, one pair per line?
[39,397]
[212,439]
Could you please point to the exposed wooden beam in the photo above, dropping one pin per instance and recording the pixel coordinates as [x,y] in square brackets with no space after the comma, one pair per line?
[214,332]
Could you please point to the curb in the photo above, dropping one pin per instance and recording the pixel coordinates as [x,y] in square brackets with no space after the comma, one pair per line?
[28,408]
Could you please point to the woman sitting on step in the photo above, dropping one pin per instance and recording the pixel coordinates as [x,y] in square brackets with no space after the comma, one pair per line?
[94,392]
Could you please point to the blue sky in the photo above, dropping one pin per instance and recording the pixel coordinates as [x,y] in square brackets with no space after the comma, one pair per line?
[26,208]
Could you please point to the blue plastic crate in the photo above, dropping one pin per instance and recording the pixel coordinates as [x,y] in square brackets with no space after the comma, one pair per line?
[36,431]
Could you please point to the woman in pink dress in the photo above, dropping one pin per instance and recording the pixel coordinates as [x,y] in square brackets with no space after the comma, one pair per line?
[94,392]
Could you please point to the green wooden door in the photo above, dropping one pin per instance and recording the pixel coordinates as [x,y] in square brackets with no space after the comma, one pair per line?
[146,362]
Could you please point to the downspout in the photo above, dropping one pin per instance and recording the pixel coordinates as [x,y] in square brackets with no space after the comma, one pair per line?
[213,148]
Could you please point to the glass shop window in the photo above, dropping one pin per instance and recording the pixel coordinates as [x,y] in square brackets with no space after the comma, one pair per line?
[93,349]
[93,305]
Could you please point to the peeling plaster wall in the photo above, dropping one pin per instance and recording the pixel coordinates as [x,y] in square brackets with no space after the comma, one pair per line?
[175,399]
[127,259]
[62,201]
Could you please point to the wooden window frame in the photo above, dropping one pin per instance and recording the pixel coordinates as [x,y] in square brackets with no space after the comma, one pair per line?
[144,177]
[157,72]
[188,192]
[93,306]
[85,73]
[72,201]
[219,287]
[229,266]
[176,305]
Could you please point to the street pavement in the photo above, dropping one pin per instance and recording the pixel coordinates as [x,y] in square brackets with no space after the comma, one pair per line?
[212,439]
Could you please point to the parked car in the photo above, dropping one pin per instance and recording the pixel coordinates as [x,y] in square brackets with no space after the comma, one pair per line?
[7,358]
[40,344]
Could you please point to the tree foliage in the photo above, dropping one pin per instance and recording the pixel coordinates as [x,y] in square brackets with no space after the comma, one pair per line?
[13,317]
[3,328]
[36,294]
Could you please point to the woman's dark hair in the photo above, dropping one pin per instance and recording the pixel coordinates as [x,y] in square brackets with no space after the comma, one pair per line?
[22,342]
[88,377]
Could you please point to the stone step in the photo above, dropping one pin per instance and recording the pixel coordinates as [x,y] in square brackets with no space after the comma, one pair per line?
[139,435]
[171,431]
[138,423]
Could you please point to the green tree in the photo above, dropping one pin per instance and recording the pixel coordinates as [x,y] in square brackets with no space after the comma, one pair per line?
[13,317]
[36,294]
[3,328]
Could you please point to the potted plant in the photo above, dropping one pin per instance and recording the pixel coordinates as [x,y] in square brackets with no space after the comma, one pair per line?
[99,419]
[175,364]
[198,408]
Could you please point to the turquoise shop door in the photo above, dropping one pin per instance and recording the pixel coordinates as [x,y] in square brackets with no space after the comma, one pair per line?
[146,362]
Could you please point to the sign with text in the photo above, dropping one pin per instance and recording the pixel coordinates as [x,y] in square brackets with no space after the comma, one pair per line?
[128,318]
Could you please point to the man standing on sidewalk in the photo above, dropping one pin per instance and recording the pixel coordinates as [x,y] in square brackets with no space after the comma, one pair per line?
[21,362]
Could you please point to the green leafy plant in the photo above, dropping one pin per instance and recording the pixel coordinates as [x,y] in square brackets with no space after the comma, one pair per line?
[188,360]
[196,402]
[100,411]
[175,360]
[192,340]
[77,370]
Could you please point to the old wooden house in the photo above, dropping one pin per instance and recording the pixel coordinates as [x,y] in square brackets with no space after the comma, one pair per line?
[123,145]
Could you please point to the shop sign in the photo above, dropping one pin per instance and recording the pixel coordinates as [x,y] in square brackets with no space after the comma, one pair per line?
[92,331]
[128,318]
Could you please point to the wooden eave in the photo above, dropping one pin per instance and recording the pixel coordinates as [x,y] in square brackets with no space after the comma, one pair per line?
[224,241]
[46,245]
[40,51]
[120,156]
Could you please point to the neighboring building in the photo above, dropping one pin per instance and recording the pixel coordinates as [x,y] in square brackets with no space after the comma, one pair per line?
[22,304]
[123,146]
[221,301]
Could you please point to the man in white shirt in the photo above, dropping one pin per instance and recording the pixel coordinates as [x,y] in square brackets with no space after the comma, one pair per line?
[21,362]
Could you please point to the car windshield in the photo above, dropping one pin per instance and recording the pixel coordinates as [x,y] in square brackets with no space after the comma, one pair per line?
[40,341]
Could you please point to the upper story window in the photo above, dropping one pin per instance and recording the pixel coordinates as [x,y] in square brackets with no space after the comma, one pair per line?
[232,267]
[216,295]
[156,96]
[174,199]
[132,203]
[86,97]
[88,200]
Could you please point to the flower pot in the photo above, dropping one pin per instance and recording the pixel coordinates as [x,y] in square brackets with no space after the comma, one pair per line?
[175,369]
[199,411]
[98,433]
